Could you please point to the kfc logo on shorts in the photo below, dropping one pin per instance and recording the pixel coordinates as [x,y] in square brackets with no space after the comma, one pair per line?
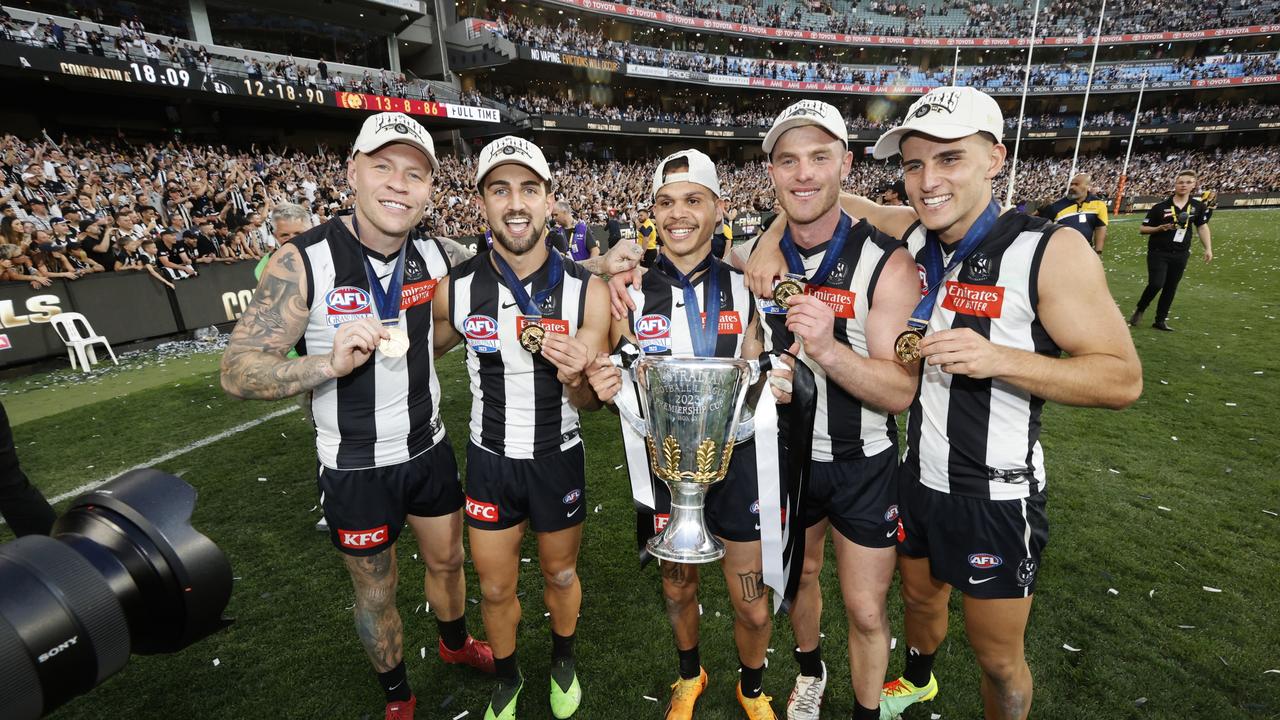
[891,514]
[481,332]
[362,539]
[345,304]
[572,497]
[482,511]
[660,522]
[654,333]
[985,561]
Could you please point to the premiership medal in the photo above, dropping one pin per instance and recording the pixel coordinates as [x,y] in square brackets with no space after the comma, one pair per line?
[907,346]
[531,338]
[396,345]
[786,289]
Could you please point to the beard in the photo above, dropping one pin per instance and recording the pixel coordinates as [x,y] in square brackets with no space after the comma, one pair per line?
[827,197]
[518,246]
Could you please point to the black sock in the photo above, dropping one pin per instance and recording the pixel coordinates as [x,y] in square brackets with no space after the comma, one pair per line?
[861,713]
[453,633]
[395,684]
[506,669]
[752,680]
[810,661]
[561,646]
[690,663]
[919,667]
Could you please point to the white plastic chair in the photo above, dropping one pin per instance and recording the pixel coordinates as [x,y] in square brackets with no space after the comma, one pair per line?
[80,345]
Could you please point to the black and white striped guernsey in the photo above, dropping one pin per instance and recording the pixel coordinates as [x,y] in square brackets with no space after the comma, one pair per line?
[844,429]
[387,411]
[660,324]
[981,438]
[519,408]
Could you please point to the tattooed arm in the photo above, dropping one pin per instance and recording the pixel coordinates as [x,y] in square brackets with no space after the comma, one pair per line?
[254,366]
[621,257]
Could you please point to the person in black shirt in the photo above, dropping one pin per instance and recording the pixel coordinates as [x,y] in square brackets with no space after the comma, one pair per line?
[21,503]
[1080,210]
[173,256]
[1168,224]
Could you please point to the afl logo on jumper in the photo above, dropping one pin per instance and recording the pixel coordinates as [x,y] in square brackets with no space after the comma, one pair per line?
[654,333]
[481,332]
[345,304]
[572,497]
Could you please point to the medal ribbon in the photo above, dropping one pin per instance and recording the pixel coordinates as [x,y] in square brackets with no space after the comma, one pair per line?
[935,273]
[530,306]
[386,301]
[795,263]
[702,329]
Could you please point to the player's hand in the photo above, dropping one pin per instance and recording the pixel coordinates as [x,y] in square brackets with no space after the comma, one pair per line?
[605,378]
[767,263]
[622,257]
[619,299]
[570,356]
[782,373]
[354,344]
[962,352]
[812,321]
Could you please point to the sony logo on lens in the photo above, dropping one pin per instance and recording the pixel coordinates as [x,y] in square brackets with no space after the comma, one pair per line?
[54,651]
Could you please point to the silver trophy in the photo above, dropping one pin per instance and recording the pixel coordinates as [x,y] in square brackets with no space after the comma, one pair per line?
[693,410]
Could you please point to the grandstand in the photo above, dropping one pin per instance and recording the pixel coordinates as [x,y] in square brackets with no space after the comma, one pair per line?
[128,120]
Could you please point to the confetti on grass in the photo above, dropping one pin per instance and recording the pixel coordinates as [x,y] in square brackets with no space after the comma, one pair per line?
[1206,588]
[649,698]
[1112,591]
[461,715]
[1068,648]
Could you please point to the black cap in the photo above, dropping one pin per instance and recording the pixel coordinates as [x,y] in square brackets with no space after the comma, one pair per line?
[190,234]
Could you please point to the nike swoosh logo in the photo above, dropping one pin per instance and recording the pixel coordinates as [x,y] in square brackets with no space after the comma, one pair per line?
[979,582]
[508,305]
[393,687]
[757,526]
[680,304]
[893,532]
[571,512]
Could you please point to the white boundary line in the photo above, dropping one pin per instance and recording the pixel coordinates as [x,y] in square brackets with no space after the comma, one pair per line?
[94,485]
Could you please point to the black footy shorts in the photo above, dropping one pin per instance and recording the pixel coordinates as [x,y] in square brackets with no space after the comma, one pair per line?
[366,509]
[550,492]
[988,549]
[732,505]
[859,497]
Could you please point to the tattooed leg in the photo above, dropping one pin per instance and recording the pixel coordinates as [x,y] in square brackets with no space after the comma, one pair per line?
[680,594]
[744,577]
[377,620]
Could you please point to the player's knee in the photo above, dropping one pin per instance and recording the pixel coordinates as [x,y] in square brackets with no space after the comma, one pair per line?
[561,579]
[866,616]
[753,618]
[376,596]
[812,569]
[498,591]
[445,561]
[1002,667]
[924,598]
[679,594]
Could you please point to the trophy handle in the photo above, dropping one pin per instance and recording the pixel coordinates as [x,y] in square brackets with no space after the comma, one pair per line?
[624,401]
[747,426]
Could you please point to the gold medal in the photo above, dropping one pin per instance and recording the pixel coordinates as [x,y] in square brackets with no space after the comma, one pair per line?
[786,289]
[396,345]
[531,338]
[907,346]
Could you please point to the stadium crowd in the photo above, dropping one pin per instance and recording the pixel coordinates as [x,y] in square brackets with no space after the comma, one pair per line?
[981,18]
[643,106]
[81,206]
[130,42]
[568,37]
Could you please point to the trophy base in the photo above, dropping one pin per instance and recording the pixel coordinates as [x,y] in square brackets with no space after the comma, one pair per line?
[686,538]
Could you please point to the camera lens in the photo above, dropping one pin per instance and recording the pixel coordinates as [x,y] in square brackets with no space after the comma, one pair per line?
[123,571]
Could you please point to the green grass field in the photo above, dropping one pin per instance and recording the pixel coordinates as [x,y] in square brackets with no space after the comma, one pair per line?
[1156,503]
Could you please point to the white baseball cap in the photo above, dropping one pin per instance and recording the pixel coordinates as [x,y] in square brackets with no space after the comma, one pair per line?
[807,112]
[701,171]
[388,127]
[511,149]
[947,113]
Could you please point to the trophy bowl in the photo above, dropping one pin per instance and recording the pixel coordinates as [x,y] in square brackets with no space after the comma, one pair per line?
[692,408]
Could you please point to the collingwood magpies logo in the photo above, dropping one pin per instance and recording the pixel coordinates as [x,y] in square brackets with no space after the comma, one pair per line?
[548,305]
[979,267]
[398,126]
[839,273]
[943,102]
[807,108]
[511,148]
